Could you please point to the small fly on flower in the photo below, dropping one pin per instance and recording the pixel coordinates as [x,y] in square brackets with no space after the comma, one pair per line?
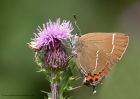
[96,53]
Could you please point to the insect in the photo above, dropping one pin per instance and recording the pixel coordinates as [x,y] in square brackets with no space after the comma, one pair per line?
[96,53]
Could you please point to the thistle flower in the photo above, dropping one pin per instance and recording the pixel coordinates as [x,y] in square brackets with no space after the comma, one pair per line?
[50,39]
[50,52]
[50,32]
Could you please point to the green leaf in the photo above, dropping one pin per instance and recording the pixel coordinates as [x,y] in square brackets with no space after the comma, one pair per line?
[68,78]
[48,93]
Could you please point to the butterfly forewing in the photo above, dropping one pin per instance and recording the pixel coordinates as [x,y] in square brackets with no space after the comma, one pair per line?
[96,52]
[85,57]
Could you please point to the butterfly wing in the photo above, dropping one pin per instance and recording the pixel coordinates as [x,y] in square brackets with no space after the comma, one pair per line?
[96,52]
[83,60]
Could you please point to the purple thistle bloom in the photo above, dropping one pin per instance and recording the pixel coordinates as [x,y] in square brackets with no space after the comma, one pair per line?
[56,56]
[49,40]
[50,31]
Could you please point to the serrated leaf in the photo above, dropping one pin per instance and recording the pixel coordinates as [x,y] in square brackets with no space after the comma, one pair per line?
[48,93]
[70,88]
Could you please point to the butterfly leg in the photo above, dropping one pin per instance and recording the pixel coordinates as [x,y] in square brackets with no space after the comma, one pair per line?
[94,89]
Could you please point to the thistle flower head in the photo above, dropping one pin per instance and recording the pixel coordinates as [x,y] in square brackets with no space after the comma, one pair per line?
[50,41]
[51,30]
[56,56]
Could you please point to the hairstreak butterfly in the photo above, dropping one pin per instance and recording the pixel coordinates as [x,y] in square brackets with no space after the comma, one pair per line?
[97,52]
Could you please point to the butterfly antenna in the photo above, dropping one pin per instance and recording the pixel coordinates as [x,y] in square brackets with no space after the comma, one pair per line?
[75,22]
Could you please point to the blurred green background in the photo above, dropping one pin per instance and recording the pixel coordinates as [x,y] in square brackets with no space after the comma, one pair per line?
[19,20]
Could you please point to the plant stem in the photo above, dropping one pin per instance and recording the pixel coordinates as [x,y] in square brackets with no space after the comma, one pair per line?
[55,90]
[55,85]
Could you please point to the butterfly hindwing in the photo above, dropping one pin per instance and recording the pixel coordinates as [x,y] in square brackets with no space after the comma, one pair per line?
[96,52]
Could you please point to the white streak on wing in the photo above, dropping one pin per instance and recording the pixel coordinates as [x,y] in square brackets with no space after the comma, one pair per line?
[113,39]
[83,69]
[112,49]
[97,57]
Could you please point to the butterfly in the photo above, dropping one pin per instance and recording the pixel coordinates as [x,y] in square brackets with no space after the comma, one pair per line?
[96,53]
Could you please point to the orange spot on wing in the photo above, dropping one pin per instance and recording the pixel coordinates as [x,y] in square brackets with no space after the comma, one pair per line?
[88,77]
[96,77]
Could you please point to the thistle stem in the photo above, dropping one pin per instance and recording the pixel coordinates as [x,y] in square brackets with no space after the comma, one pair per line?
[55,90]
[55,85]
